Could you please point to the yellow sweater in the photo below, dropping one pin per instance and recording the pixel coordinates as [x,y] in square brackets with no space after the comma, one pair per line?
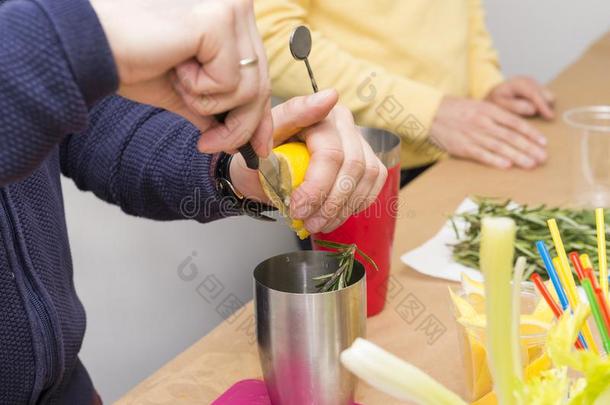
[391,60]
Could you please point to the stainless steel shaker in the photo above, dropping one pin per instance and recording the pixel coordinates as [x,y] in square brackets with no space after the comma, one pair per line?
[301,332]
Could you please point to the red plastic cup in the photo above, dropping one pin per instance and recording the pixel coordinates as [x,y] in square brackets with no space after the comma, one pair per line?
[372,230]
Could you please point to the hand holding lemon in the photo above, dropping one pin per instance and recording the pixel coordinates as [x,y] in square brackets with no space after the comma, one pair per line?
[333,171]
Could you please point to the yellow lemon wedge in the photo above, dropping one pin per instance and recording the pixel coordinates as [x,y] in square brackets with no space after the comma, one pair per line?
[470,285]
[489,399]
[463,307]
[531,325]
[294,160]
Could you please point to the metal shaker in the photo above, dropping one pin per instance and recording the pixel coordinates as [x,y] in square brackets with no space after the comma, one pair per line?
[302,332]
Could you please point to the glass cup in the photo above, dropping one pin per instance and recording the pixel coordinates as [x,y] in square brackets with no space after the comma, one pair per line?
[591,162]
[473,342]
[372,230]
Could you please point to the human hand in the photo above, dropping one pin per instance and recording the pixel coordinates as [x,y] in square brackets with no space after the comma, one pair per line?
[185,57]
[344,175]
[483,132]
[524,96]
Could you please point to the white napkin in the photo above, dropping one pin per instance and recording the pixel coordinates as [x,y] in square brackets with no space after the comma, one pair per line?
[434,257]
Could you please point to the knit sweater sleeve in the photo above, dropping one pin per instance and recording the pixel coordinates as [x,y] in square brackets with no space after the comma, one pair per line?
[55,62]
[145,160]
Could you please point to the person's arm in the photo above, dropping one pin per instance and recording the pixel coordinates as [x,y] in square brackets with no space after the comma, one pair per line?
[55,62]
[144,160]
[372,93]
[484,66]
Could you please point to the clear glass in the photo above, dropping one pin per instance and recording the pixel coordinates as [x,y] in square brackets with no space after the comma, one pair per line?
[591,156]
[473,343]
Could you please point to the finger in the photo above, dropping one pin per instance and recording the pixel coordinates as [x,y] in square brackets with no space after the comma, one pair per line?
[263,136]
[210,104]
[518,141]
[532,92]
[499,147]
[517,124]
[326,159]
[518,106]
[482,155]
[350,174]
[262,139]
[298,113]
[215,68]
[549,96]
[368,187]
[243,121]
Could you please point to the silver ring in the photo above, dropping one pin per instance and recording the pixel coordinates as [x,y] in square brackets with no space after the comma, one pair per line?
[248,62]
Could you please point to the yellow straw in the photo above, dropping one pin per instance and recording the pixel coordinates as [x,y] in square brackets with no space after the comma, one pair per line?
[586,261]
[601,250]
[567,279]
[586,332]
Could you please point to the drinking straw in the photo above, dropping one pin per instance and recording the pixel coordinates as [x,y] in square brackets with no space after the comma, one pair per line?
[575,259]
[586,337]
[597,315]
[567,279]
[601,299]
[565,274]
[601,249]
[552,272]
[586,261]
[544,292]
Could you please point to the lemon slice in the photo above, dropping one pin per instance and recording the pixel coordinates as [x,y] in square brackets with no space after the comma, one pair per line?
[463,307]
[470,285]
[530,325]
[293,158]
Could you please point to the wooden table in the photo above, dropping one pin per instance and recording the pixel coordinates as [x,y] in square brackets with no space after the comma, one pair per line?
[416,324]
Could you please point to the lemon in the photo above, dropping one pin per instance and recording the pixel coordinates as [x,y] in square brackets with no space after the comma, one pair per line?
[463,307]
[531,325]
[294,160]
[489,399]
[470,285]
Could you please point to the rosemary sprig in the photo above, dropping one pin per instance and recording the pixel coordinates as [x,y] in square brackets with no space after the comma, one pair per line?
[346,255]
[577,228]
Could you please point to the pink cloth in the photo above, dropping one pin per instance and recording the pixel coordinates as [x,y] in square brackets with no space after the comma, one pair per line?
[245,392]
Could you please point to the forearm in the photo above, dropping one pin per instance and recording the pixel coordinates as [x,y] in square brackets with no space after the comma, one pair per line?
[145,160]
[54,63]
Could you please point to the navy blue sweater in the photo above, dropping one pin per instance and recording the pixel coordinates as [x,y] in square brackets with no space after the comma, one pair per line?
[56,67]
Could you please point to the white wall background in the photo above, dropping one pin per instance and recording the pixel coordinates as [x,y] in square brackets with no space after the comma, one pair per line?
[141,313]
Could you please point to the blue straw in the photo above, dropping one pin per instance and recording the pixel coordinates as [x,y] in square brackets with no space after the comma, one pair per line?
[550,269]
[548,263]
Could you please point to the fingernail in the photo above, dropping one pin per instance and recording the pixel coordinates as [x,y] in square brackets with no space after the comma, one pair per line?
[542,140]
[542,156]
[505,164]
[527,162]
[319,98]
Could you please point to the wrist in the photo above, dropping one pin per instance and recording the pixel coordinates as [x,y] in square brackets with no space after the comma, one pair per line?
[230,196]
[245,180]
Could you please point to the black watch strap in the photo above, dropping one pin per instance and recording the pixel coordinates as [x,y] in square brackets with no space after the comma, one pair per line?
[229,195]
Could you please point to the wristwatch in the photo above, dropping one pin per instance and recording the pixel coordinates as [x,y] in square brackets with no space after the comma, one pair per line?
[234,200]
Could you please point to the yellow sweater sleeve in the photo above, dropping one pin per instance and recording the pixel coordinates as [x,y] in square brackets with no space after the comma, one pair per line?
[377,97]
[484,70]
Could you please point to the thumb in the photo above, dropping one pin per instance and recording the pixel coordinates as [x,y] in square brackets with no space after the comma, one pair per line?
[301,112]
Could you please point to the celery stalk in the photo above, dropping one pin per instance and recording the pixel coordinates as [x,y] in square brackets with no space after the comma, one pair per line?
[395,377]
[496,260]
[516,317]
